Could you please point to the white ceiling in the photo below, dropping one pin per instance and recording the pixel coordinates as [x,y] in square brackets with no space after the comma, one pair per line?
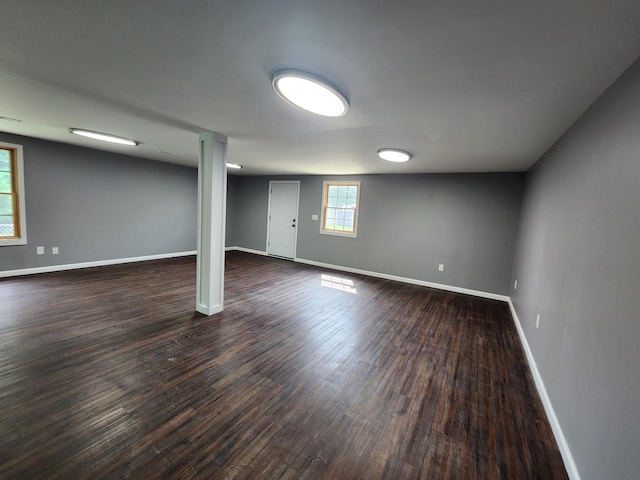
[465,85]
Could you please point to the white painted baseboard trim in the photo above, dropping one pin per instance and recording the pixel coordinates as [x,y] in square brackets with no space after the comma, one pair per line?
[247,250]
[413,281]
[567,457]
[98,263]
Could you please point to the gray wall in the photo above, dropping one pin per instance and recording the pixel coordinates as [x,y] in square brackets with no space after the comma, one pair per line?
[408,225]
[96,205]
[230,233]
[251,197]
[578,266]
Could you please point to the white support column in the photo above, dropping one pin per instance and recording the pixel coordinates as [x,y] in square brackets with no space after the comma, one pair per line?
[212,204]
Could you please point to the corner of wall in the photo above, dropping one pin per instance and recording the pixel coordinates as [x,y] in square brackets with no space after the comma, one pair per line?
[563,446]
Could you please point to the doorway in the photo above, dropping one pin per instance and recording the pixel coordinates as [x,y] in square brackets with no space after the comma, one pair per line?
[282,231]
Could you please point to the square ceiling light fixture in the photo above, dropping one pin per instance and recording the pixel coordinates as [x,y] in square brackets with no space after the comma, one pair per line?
[310,93]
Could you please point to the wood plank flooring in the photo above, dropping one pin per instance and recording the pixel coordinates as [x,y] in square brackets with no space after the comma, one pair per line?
[108,373]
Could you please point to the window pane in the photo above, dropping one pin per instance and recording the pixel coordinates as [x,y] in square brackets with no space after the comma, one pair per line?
[348,225]
[333,191]
[5,156]
[342,191]
[6,205]
[331,213]
[349,215]
[5,182]
[340,215]
[6,226]
[352,191]
[332,202]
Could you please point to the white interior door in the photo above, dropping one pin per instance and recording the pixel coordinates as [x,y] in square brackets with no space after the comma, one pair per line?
[283,218]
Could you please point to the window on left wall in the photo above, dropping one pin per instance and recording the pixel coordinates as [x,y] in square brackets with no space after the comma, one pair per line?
[13,225]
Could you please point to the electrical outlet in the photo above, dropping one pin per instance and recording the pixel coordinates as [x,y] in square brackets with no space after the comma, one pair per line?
[314,217]
[515,285]
[441,267]
[538,321]
[55,250]
[40,250]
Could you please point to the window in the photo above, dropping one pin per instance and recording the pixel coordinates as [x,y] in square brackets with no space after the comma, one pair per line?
[340,201]
[12,211]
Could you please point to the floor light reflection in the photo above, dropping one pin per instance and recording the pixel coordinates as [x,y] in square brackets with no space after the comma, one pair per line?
[338,283]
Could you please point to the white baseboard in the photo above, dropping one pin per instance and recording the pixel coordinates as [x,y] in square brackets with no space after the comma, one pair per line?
[567,457]
[246,250]
[413,281]
[98,263]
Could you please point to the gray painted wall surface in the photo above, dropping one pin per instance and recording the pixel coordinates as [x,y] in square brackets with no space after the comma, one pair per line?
[408,225]
[251,206]
[230,233]
[578,266]
[96,205]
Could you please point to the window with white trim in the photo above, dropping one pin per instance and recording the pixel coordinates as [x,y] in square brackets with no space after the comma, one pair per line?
[13,229]
[340,202]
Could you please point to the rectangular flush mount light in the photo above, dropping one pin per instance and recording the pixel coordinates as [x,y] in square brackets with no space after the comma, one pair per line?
[105,137]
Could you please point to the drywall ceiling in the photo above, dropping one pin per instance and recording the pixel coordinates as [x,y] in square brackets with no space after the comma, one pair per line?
[466,86]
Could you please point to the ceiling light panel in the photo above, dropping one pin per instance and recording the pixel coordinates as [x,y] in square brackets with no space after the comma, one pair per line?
[310,93]
[394,155]
[105,137]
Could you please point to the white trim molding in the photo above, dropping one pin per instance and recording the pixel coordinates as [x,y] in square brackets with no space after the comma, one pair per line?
[563,446]
[413,281]
[246,250]
[97,263]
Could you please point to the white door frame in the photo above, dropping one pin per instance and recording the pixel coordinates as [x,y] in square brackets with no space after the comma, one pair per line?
[295,236]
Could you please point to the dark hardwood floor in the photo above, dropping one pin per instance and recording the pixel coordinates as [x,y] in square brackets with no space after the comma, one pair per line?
[108,373]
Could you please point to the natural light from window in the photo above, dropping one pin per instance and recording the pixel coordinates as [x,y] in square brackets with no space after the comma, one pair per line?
[12,210]
[340,202]
[338,283]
